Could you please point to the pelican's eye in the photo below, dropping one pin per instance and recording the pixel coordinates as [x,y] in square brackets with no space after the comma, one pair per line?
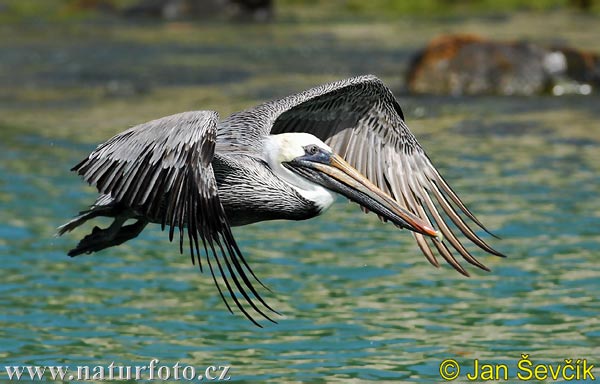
[311,149]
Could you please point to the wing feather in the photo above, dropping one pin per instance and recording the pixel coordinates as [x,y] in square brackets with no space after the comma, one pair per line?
[162,171]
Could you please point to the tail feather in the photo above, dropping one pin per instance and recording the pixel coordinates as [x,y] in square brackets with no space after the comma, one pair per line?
[99,238]
[84,216]
[104,206]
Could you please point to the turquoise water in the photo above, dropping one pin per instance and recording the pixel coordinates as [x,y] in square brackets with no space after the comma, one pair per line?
[359,301]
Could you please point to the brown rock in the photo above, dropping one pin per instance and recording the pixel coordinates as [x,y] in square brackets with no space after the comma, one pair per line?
[471,65]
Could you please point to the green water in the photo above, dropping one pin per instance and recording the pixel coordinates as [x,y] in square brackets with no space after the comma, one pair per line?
[359,301]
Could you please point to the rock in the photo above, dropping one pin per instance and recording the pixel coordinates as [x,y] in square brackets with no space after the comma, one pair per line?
[471,65]
[252,10]
[247,10]
[167,9]
[583,5]
[105,6]
[582,67]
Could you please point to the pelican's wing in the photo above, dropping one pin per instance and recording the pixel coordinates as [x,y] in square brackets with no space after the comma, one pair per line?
[162,170]
[361,120]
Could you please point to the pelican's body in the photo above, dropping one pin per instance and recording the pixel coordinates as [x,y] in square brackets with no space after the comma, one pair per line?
[247,198]
[285,159]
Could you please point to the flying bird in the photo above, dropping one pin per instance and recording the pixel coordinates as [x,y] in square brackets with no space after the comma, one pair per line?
[284,159]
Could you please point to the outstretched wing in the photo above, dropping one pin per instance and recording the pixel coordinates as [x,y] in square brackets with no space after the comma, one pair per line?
[162,170]
[361,120]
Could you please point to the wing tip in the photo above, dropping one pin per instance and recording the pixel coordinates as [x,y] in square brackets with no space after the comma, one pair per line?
[462,271]
[499,254]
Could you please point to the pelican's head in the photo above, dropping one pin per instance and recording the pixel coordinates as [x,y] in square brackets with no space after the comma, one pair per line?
[316,172]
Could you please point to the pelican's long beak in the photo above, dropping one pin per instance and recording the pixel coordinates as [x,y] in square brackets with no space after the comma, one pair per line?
[337,175]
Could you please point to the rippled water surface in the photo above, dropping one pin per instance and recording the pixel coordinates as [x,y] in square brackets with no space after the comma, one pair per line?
[359,302]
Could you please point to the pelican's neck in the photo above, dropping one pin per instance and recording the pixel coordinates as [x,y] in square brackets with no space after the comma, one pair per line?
[275,152]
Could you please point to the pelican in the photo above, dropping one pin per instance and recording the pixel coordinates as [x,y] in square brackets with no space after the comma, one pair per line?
[284,159]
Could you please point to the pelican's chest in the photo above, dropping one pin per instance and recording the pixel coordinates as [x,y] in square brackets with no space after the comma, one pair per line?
[250,192]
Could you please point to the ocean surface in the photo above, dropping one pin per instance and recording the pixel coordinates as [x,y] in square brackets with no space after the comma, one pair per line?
[358,300]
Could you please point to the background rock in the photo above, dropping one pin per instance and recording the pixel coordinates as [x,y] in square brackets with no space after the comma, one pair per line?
[471,65]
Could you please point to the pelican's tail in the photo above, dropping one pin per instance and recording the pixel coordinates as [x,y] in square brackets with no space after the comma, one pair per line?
[99,239]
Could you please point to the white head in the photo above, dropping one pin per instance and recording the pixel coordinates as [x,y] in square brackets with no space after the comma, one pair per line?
[286,147]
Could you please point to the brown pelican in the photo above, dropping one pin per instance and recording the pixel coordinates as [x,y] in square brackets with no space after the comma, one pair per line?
[284,159]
